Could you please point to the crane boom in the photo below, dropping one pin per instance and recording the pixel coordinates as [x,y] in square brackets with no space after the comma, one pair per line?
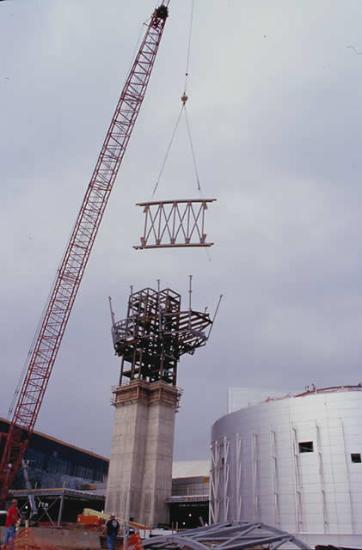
[69,275]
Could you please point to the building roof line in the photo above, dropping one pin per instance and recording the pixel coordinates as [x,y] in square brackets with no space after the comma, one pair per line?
[64,443]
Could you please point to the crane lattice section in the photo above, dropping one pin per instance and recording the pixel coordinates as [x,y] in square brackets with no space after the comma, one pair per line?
[70,273]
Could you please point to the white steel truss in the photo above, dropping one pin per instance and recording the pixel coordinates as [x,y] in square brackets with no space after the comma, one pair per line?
[321,477]
[219,480]
[226,478]
[254,476]
[177,223]
[239,475]
[275,478]
[353,527]
[297,483]
[214,483]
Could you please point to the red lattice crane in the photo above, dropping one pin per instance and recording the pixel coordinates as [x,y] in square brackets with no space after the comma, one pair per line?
[70,273]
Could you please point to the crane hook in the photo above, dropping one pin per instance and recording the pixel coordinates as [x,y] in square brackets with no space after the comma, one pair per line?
[184,98]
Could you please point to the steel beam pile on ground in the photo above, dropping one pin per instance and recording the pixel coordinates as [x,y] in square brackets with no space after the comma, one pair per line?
[228,536]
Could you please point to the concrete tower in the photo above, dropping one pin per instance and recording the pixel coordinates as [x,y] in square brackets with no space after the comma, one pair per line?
[150,342]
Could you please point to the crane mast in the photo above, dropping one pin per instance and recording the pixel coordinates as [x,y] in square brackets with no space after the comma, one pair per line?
[70,273]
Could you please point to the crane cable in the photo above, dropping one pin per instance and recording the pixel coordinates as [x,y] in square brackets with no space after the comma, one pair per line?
[189,46]
[167,152]
[192,150]
[183,110]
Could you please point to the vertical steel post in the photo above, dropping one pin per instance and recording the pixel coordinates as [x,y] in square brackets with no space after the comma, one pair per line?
[60,512]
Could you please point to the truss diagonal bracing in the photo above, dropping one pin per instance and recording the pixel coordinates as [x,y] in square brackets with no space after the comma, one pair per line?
[59,306]
[179,223]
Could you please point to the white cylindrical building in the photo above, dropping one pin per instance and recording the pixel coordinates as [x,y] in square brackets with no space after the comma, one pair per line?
[294,463]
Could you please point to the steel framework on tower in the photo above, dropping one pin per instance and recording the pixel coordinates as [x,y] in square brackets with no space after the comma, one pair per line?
[70,273]
[155,334]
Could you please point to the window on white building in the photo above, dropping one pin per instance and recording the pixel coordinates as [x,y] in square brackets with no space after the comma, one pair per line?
[356,457]
[306,447]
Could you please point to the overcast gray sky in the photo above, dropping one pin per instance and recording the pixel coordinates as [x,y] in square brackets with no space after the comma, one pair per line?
[276,114]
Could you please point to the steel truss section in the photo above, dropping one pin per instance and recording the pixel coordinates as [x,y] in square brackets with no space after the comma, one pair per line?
[215,500]
[275,477]
[155,334]
[297,483]
[255,476]
[70,273]
[220,480]
[239,475]
[228,536]
[172,224]
[50,502]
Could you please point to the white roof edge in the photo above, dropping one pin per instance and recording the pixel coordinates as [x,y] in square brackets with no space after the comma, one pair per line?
[191,468]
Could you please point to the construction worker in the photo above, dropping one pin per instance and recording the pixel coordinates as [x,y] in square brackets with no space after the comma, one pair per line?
[12,518]
[112,528]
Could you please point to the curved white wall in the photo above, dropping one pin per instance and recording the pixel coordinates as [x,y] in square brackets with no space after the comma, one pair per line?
[259,473]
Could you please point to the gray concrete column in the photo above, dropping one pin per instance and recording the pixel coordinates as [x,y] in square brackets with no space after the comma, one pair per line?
[140,470]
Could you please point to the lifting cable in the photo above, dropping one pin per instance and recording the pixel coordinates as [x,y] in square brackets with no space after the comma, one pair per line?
[182,111]
[192,150]
[167,152]
[189,46]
